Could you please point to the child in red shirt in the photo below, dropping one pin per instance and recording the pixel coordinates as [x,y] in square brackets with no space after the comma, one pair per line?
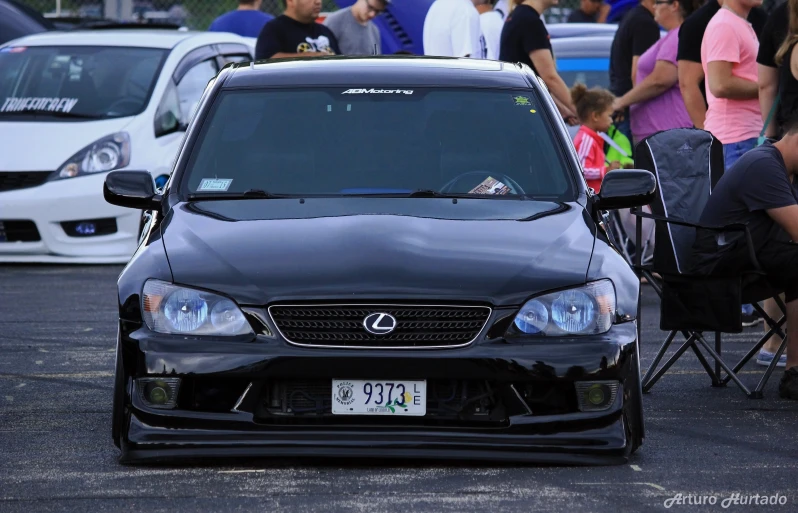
[594,109]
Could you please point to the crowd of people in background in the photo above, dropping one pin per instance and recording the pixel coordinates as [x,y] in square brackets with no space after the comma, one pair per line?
[723,66]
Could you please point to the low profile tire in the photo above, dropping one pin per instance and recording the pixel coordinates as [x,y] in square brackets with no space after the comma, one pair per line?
[118,415]
[633,412]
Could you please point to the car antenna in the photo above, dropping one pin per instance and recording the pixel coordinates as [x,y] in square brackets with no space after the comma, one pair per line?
[375,49]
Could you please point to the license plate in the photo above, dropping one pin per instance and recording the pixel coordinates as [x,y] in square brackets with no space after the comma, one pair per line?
[369,397]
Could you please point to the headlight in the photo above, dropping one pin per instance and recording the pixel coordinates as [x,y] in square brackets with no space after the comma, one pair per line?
[103,155]
[177,310]
[586,310]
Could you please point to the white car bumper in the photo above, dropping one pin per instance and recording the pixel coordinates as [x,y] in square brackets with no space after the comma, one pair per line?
[53,203]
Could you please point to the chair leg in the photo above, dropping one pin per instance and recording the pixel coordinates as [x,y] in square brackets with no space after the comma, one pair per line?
[716,382]
[658,358]
[775,329]
[703,361]
[725,367]
[757,393]
[653,380]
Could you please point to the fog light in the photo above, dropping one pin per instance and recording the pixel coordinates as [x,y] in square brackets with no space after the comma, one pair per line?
[596,395]
[86,228]
[159,392]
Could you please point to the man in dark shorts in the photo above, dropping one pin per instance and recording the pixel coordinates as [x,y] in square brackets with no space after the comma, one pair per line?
[296,34]
[760,191]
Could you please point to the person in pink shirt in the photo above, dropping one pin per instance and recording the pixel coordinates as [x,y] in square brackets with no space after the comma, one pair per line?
[728,56]
[655,102]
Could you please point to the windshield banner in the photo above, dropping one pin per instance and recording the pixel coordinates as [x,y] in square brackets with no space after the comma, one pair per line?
[41,104]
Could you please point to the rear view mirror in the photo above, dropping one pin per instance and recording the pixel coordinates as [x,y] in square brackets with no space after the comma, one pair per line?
[626,188]
[131,189]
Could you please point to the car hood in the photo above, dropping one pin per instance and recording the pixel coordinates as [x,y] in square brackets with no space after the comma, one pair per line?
[261,251]
[55,141]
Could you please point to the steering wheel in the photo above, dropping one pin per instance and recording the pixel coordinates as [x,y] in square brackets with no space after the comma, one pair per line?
[506,180]
[122,101]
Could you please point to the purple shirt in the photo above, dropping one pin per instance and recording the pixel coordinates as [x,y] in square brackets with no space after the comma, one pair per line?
[667,110]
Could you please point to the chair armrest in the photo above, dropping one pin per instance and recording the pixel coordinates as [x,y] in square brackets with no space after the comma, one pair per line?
[735,227]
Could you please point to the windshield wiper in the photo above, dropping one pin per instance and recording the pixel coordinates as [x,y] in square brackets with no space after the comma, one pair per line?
[55,114]
[223,195]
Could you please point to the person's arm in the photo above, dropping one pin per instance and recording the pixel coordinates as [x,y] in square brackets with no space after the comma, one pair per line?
[544,64]
[787,218]
[643,37]
[604,12]
[664,76]
[593,166]
[690,76]
[768,88]
[722,84]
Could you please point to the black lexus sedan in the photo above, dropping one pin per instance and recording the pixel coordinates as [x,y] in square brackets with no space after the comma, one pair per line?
[378,257]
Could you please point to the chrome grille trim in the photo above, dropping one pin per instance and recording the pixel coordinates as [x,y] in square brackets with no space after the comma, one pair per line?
[379,307]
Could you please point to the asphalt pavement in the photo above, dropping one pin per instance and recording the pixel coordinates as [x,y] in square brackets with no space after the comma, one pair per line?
[57,336]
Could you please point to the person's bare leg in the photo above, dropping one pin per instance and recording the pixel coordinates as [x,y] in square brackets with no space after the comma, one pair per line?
[774,312]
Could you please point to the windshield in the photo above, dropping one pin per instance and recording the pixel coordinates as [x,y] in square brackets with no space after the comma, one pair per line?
[378,141]
[50,83]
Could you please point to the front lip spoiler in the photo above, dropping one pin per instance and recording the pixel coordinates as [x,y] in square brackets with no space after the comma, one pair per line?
[606,445]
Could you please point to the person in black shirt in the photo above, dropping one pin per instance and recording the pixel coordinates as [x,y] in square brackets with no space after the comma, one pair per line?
[296,34]
[590,11]
[525,39]
[775,77]
[688,56]
[636,33]
[773,35]
[760,190]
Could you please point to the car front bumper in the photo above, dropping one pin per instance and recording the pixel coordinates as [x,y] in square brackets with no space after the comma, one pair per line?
[49,205]
[241,373]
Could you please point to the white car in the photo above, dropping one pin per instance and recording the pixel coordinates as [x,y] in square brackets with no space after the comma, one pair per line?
[76,105]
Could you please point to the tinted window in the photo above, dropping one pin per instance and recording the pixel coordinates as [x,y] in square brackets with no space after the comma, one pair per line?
[313,141]
[100,82]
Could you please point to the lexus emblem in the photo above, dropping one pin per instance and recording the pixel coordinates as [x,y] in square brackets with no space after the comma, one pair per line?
[379,323]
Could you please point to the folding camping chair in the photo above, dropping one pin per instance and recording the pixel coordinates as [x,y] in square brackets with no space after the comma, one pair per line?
[687,164]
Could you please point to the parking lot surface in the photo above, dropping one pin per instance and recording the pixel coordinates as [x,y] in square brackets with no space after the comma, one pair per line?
[57,338]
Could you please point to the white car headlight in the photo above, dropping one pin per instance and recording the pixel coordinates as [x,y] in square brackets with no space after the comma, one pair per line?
[178,310]
[586,310]
[106,154]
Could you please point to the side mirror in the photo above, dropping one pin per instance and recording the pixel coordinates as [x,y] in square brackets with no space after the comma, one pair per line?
[626,188]
[131,189]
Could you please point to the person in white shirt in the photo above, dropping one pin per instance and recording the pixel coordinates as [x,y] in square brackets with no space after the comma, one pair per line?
[491,23]
[503,7]
[452,29]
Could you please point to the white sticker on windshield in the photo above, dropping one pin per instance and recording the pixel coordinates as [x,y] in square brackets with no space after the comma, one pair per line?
[490,186]
[378,91]
[13,104]
[215,184]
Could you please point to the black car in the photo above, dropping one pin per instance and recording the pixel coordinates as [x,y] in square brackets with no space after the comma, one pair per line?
[19,20]
[382,256]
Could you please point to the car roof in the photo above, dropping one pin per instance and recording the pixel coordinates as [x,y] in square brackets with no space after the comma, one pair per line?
[590,46]
[144,38]
[379,71]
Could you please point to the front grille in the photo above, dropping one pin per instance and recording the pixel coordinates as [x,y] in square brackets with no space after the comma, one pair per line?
[12,180]
[19,231]
[417,326]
